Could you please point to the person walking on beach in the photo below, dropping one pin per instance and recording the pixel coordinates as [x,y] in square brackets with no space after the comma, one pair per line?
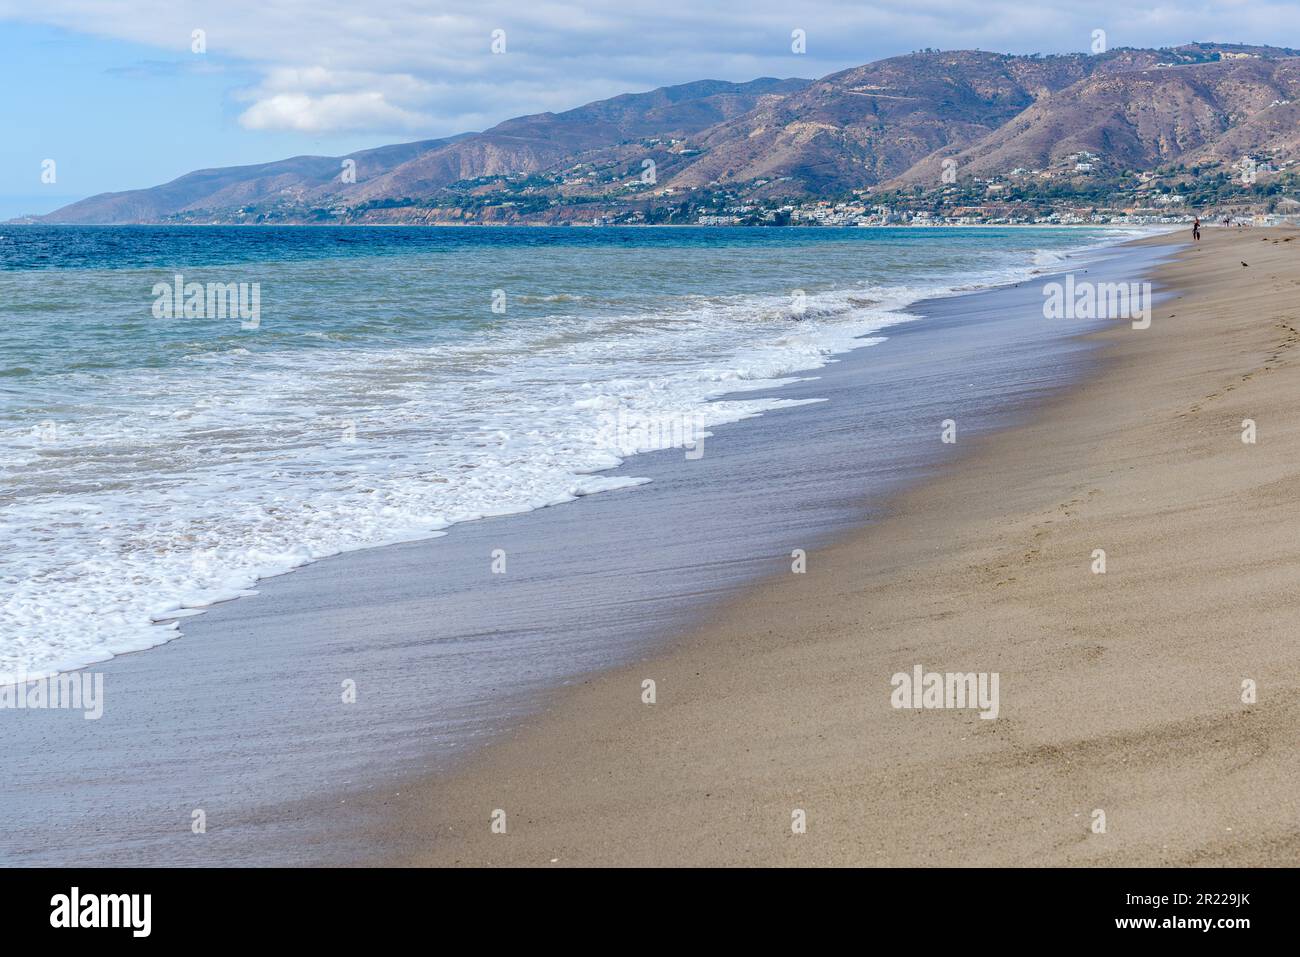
[1196,228]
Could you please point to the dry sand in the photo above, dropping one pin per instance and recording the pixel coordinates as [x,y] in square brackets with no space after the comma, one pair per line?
[1119,692]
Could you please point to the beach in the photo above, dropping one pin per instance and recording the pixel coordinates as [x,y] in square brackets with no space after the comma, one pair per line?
[294,717]
[1160,692]
[691,657]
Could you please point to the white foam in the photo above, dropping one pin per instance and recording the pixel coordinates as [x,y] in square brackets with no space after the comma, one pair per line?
[239,464]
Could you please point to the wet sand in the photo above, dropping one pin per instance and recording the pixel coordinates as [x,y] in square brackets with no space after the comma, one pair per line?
[1120,692]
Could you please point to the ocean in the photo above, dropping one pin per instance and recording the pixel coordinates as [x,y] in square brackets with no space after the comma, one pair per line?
[160,453]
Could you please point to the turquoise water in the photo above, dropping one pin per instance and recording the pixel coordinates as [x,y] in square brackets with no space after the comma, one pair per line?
[388,383]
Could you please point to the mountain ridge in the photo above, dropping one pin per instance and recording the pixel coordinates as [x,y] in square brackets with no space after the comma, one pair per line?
[898,123]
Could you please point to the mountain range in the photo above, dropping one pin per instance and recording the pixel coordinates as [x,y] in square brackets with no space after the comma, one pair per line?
[892,124]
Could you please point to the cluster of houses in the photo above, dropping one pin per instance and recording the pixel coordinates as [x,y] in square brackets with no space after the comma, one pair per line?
[825,213]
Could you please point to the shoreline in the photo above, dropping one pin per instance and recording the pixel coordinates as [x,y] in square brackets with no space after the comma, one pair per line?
[446,657]
[172,622]
[1120,691]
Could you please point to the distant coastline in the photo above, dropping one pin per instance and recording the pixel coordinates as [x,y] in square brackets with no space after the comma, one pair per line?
[917,137]
[1171,225]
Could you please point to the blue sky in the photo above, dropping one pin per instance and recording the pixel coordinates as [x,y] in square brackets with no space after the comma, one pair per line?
[112,91]
[120,115]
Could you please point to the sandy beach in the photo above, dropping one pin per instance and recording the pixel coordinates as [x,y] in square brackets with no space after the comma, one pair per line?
[447,655]
[1120,692]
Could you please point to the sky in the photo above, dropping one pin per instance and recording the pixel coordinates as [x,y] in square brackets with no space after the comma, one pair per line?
[123,94]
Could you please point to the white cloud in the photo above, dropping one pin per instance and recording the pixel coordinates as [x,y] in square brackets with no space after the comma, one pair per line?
[316,100]
[331,113]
